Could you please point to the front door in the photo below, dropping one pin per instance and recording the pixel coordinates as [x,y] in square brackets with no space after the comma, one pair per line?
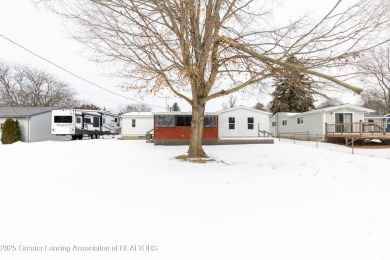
[343,122]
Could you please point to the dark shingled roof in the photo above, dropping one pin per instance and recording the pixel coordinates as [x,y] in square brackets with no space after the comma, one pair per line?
[24,111]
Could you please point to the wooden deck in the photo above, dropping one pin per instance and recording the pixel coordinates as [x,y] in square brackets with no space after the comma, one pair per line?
[360,130]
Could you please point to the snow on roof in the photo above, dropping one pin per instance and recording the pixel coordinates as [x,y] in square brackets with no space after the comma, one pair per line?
[358,108]
[376,116]
[140,114]
[181,113]
[241,108]
[347,106]
[24,111]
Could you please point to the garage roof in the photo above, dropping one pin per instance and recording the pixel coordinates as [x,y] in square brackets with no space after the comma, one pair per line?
[24,111]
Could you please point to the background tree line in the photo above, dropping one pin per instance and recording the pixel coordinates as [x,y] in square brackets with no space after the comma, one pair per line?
[21,85]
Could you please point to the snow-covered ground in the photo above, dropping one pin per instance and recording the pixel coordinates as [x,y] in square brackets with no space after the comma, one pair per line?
[280,201]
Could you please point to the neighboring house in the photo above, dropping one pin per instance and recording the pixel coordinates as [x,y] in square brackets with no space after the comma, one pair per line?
[242,122]
[373,122]
[174,128]
[136,124]
[311,125]
[388,122]
[34,122]
[372,118]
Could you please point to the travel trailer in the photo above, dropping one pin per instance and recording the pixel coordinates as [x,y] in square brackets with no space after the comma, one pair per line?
[81,122]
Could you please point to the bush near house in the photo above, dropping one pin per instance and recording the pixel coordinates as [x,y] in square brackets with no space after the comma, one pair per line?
[11,131]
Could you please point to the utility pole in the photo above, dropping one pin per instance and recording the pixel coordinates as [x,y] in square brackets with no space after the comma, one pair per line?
[166,103]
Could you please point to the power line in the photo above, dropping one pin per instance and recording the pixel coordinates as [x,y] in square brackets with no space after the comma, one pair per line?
[73,74]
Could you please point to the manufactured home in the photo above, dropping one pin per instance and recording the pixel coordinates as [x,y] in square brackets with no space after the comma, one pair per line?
[78,123]
[174,128]
[243,122]
[34,122]
[315,124]
[135,125]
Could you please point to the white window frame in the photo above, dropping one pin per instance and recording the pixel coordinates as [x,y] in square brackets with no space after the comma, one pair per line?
[251,124]
[284,122]
[232,125]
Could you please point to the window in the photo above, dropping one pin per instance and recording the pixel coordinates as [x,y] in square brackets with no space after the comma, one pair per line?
[183,120]
[284,122]
[300,120]
[232,122]
[251,123]
[87,120]
[165,120]
[78,120]
[132,122]
[210,121]
[273,123]
[63,119]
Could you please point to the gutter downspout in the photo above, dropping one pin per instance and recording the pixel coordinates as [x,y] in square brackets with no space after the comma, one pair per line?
[28,129]
[323,126]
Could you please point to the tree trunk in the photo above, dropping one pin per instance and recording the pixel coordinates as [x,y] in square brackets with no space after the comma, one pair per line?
[196,150]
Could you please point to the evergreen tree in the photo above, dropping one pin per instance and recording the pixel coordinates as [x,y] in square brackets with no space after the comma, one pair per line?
[10,132]
[259,106]
[175,107]
[293,91]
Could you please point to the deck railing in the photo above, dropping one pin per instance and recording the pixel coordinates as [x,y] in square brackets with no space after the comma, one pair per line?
[359,128]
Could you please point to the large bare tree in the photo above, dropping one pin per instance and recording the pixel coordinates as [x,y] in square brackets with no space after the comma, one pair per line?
[25,86]
[375,68]
[204,49]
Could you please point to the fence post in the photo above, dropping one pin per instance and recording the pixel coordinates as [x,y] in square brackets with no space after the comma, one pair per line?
[360,128]
[317,141]
[326,128]
[308,136]
[353,152]
[294,138]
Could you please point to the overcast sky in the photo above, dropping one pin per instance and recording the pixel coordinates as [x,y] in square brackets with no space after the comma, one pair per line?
[45,35]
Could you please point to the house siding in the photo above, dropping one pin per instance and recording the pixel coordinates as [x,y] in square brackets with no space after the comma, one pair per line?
[143,125]
[241,115]
[356,115]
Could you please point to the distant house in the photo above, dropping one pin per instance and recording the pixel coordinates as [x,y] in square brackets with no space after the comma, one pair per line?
[242,122]
[135,125]
[311,125]
[34,122]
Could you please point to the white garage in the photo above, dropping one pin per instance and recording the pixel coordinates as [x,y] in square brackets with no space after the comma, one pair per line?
[34,122]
